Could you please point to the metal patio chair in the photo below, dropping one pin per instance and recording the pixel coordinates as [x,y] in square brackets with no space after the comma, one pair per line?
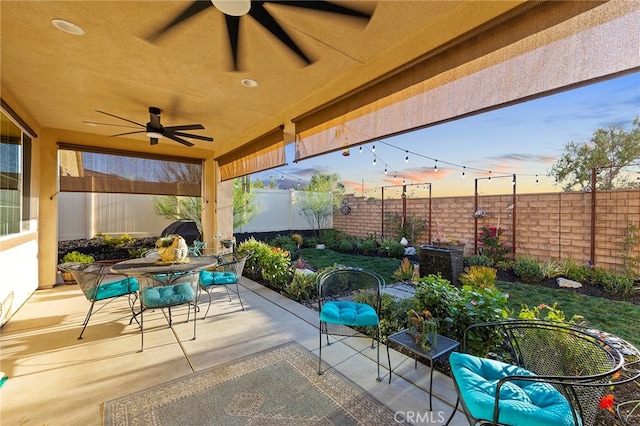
[98,284]
[226,274]
[552,373]
[340,314]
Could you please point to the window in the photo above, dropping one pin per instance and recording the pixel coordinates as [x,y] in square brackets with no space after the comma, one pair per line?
[15,177]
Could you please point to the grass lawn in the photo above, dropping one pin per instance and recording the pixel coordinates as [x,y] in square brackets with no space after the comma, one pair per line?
[619,318]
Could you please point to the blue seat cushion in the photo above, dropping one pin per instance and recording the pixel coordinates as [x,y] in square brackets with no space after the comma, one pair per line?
[158,297]
[349,313]
[112,289]
[217,278]
[522,403]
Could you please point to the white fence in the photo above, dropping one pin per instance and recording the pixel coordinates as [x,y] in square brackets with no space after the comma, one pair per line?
[83,215]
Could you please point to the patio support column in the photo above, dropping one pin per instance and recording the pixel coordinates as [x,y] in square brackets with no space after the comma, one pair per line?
[47,209]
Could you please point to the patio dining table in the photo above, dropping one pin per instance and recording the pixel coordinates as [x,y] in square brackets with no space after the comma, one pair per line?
[151,266]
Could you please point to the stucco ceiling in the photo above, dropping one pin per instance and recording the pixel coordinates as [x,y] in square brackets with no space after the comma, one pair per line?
[61,79]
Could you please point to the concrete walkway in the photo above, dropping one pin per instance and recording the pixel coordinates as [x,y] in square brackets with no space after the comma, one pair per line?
[55,379]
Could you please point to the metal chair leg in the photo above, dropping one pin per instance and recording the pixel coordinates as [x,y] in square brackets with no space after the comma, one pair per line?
[86,319]
[320,350]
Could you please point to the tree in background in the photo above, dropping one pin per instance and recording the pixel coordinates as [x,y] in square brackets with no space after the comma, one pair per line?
[317,201]
[609,150]
[245,208]
[190,208]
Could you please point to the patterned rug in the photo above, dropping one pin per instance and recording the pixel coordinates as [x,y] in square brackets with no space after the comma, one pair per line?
[275,387]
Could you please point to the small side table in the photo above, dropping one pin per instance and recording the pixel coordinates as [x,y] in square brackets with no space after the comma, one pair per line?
[443,346]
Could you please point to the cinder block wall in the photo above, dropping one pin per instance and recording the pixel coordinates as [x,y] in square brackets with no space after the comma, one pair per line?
[547,225]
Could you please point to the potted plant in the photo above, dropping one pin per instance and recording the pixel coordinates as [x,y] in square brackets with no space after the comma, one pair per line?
[74,256]
[423,328]
[172,248]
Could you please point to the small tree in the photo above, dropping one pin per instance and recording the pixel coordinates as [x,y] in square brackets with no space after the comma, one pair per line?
[317,201]
[608,149]
[244,206]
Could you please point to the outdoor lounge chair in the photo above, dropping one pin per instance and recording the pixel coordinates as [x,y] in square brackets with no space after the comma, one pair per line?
[98,284]
[227,273]
[557,374]
[340,314]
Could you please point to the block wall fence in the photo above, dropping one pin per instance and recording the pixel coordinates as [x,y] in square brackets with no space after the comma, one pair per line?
[547,225]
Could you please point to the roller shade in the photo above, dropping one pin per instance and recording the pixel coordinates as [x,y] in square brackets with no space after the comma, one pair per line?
[88,169]
[263,153]
[534,51]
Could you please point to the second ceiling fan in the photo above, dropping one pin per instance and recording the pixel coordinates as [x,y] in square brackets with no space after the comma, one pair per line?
[235,10]
[155,130]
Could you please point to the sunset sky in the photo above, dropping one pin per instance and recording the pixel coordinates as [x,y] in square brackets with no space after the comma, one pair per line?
[524,139]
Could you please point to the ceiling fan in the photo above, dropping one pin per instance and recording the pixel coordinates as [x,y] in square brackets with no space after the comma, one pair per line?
[234,10]
[156,131]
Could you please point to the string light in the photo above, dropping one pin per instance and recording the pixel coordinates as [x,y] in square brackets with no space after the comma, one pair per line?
[463,169]
[435,167]
[360,149]
[406,159]
[489,175]
[537,181]
[374,161]
[373,148]
[385,169]
[513,181]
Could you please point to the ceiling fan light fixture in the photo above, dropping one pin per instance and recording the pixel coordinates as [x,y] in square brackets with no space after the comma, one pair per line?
[249,82]
[155,135]
[67,27]
[233,7]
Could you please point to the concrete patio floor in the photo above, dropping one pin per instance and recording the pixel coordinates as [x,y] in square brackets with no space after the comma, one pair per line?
[55,379]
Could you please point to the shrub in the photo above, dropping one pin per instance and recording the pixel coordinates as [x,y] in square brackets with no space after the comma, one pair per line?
[404,271]
[369,246]
[260,251]
[115,242]
[297,239]
[456,309]
[477,260]
[574,271]
[612,282]
[478,277]
[548,313]
[302,286]
[276,268]
[393,249]
[551,269]
[347,245]
[492,247]
[76,256]
[528,268]
[284,242]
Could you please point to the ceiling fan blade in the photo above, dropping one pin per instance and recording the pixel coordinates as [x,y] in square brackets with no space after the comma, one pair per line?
[154,141]
[185,127]
[264,18]
[107,124]
[192,136]
[325,6]
[192,10]
[233,29]
[128,133]
[177,139]
[120,118]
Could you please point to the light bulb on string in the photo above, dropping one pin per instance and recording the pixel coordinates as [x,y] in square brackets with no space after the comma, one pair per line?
[374,161]
[435,167]
[385,170]
[537,181]
[360,149]
[463,169]
[406,159]
[373,148]
[489,175]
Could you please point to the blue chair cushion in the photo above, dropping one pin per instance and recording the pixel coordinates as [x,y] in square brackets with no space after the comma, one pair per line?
[217,278]
[113,289]
[522,403]
[348,313]
[158,297]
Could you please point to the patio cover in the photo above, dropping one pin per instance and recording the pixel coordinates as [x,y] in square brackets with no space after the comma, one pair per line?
[597,42]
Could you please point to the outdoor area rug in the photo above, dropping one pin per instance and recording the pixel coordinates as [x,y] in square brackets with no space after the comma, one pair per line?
[275,387]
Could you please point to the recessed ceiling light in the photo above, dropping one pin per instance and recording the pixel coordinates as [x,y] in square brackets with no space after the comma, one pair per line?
[67,27]
[249,82]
